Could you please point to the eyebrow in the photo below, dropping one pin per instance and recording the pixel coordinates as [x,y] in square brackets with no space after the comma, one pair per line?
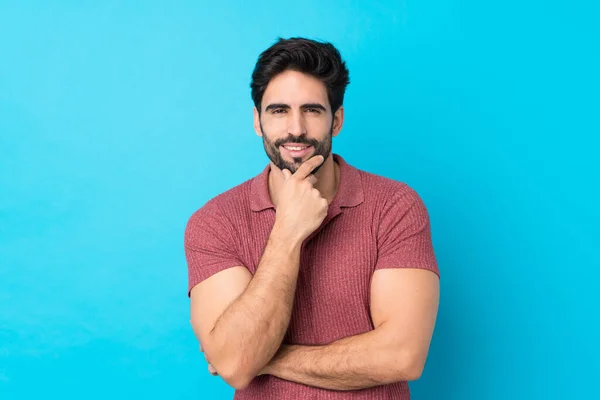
[303,106]
[276,105]
[314,105]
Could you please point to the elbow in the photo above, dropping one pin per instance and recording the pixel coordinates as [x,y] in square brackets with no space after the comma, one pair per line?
[236,377]
[233,368]
[231,372]
[228,366]
[413,372]
[409,366]
[234,372]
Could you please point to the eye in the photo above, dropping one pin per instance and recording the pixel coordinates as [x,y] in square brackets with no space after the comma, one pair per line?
[313,110]
[278,111]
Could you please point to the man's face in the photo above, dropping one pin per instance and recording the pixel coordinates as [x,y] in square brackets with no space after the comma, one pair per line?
[295,121]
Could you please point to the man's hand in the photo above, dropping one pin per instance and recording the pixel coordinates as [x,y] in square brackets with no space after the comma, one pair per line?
[300,207]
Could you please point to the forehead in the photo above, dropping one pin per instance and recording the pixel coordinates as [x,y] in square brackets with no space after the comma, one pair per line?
[295,88]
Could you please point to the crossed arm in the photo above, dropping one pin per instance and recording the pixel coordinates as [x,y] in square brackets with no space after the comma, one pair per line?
[404,304]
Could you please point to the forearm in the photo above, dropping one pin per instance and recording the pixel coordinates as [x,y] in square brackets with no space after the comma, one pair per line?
[355,362]
[249,332]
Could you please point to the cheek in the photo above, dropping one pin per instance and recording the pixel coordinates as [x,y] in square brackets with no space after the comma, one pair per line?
[318,127]
[274,127]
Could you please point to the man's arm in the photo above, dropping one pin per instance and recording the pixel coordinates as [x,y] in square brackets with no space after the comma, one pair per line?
[239,333]
[241,320]
[404,305]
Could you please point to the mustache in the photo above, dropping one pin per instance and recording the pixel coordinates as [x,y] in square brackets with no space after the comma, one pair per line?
[298,140]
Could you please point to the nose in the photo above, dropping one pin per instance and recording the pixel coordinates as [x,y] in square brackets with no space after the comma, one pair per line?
[297,125]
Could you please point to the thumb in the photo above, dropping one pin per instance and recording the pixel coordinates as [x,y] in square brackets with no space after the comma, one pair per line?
[286,173]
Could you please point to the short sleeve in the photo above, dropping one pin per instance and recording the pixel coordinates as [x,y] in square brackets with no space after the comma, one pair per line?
[404,233]
[209,244]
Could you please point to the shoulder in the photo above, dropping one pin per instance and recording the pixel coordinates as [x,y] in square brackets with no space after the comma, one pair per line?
[393,204]
[222,209]
[398,211]
[381,191]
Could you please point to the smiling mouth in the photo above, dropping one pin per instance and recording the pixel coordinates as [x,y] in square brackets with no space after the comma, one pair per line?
[297,150]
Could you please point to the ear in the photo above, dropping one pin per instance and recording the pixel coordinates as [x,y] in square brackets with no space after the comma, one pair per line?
[338,121]
[257,123]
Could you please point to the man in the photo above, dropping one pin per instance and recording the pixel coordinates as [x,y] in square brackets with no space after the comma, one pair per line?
[314,279]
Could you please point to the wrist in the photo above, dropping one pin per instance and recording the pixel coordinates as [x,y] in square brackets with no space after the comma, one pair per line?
[286,238]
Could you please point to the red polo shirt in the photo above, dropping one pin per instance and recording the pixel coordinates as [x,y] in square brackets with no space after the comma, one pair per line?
[372,223]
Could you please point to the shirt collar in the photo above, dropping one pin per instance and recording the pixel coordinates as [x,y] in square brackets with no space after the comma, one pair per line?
[349,193]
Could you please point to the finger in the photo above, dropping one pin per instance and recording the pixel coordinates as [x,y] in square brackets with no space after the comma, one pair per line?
[286,173]
[274,167]
[308,166]
[312,179]
[280,175]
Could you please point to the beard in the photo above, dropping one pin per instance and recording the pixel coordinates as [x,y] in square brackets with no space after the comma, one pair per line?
[322,148]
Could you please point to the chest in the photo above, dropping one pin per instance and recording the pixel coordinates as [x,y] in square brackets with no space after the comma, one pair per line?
[342,251]
[333,287]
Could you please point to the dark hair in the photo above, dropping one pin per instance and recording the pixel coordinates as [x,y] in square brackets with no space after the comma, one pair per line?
[319,59]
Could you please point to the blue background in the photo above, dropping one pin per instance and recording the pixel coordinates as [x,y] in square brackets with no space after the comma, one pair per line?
[119,119]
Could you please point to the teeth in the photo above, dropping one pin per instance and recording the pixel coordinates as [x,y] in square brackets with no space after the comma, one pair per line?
[295,148]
